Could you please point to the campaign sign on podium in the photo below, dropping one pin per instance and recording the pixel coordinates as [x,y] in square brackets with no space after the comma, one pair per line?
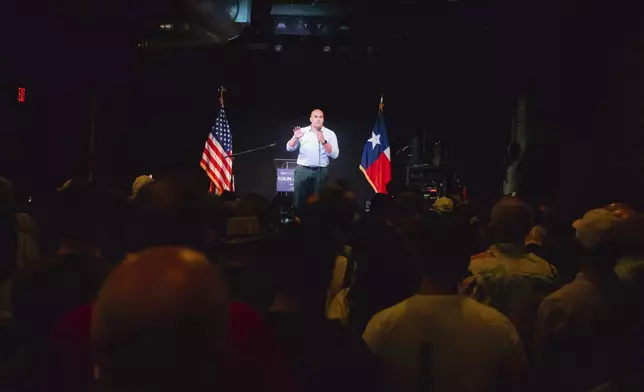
[285,174]
[285,180]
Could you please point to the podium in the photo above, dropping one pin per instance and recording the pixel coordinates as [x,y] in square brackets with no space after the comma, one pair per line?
[285,174]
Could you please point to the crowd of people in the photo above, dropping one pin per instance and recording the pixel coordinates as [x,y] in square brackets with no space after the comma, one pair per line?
[172,288]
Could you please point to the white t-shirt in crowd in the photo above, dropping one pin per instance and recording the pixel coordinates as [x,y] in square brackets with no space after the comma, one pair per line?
[337,279]
[446,343]
[338,309]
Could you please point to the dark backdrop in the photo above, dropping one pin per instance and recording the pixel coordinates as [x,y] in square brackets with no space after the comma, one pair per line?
[160,119]
[154,109]
[454,69]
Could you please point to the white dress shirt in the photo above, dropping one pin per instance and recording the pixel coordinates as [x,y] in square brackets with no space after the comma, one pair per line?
[312,152]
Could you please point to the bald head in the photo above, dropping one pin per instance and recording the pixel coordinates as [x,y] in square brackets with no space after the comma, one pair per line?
[511,220]
[317,119]
[160,316]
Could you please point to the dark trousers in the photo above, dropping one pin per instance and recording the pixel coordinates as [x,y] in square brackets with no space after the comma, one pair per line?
[308,181]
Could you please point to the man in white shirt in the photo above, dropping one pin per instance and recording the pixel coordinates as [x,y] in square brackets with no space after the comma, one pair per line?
[439,340]
[316,144]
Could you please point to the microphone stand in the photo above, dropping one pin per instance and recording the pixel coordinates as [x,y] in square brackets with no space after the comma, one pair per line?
[233,156]
[251,150]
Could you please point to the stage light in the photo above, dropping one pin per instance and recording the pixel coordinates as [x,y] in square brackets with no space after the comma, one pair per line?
[167,26]
[327,49]
[278,48]
[21,95]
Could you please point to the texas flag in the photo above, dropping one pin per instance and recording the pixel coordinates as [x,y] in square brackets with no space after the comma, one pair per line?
[376,158]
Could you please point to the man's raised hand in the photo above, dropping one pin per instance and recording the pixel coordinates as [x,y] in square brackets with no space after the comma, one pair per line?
[297,133]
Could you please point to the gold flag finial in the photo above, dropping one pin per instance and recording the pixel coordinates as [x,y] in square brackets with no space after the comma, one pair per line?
[381,106]
[222,90]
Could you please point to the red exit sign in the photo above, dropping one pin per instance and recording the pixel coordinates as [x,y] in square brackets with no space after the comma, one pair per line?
[21,95]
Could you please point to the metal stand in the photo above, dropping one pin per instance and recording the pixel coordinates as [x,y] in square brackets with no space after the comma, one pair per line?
[252,150]
[233,156]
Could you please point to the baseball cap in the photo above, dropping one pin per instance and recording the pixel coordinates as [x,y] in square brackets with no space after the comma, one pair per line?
[602,224]
[139,183]
[444,204]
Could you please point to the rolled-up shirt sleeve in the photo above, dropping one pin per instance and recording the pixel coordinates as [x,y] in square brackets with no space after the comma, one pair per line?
[289,148]
[335,148]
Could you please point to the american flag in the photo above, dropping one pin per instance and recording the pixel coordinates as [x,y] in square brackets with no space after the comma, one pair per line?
[215,159]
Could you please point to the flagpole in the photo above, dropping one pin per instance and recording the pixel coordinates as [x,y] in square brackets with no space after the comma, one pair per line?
[222,90]
[377,171]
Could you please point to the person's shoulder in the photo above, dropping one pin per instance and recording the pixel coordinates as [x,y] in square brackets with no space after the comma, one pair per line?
[553,300]
[495,324]
[576,293]
[486,260]
[479,258]
[539,261]
[489,315]
[381,324]
[327,130]
[389,316]
[577,285]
